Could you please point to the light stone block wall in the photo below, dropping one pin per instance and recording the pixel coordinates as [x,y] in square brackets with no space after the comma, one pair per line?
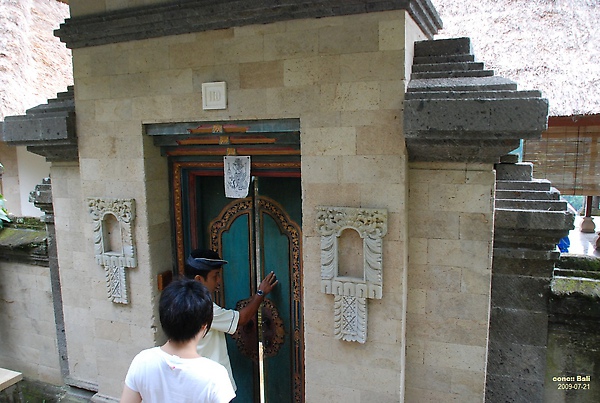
[102,337]
[27,328]
[79,278]
[449,275]
[343,77]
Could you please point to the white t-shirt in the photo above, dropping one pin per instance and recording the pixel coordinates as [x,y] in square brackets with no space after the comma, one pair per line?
[160,377]
[213,345]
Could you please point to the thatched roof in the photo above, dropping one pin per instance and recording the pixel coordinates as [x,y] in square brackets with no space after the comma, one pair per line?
[34,64]
[548,45]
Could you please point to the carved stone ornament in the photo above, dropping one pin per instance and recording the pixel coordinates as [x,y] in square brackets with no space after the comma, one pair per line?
[114,243]
[351,293]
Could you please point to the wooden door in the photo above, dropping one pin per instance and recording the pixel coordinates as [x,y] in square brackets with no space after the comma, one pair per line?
[256,235]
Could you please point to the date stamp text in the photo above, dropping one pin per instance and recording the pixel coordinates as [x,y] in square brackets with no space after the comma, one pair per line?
[577,382]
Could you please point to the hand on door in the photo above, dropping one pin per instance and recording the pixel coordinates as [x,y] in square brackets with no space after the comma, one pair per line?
[249,311]
[268,283]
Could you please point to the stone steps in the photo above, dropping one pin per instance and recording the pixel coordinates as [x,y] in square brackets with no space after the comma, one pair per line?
[466,95]
[456,58]
[451,74]
[534,184]
[527,194]
[443,47]
[540,220]
[531,204]
[489,85]
[447,66]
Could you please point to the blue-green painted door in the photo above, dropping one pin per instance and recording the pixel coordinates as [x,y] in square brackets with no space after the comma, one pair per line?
[256,235]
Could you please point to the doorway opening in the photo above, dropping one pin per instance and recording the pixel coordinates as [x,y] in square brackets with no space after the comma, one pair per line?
[255,234]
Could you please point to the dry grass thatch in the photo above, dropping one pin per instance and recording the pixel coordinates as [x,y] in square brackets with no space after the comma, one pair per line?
[34,64]
[548,45]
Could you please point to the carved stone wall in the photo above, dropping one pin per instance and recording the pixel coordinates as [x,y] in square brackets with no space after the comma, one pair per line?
[117,252]
[351,293]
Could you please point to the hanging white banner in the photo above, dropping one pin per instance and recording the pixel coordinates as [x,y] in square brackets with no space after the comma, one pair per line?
[237,176]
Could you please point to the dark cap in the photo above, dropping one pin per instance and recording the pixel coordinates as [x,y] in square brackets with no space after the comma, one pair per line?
[205,264]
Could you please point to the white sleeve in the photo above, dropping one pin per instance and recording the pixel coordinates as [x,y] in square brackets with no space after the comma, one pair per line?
[132,373]
[225,320]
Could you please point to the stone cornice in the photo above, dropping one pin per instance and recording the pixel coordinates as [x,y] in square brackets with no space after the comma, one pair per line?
[48,130]
[188,16]
[457,111]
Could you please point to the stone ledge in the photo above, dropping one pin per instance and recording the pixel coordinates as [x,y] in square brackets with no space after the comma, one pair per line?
[9,378]
[24,245]
[48,130]
[568,286]
[455,110]
[524,184]
[539,220]
[184,17]
[527,254]
[528,204]
[543,195]
[472,95]
[471,119]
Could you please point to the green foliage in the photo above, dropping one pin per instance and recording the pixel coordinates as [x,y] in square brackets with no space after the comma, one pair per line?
[3,212]
[587,263]
[578,202]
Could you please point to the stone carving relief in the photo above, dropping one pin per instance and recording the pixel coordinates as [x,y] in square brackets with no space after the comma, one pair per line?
[351,293]
[114,243]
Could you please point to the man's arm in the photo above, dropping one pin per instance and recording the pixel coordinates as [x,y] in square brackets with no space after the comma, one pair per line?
[266,286]
[130,396]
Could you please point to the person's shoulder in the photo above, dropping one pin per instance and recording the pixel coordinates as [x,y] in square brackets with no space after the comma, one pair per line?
[219,309]
[149,352]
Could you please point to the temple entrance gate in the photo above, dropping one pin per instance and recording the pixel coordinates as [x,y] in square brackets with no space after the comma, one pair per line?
[255,234]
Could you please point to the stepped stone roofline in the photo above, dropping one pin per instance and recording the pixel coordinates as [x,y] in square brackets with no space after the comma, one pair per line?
[48,129]
[189,16]
[456,110]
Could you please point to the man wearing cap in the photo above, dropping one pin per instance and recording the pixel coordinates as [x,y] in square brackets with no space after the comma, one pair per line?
[203,266]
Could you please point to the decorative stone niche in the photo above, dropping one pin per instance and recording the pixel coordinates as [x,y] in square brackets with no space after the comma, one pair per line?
[351,284]
[114,242]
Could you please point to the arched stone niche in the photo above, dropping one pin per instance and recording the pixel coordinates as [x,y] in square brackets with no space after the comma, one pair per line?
[114,247]
[351,292]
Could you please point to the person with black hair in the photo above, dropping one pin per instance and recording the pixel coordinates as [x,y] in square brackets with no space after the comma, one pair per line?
[175,372]
[204,266]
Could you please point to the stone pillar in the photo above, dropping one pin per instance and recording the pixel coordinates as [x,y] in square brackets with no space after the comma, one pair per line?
[529,221]
[459,119]
[41,198]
